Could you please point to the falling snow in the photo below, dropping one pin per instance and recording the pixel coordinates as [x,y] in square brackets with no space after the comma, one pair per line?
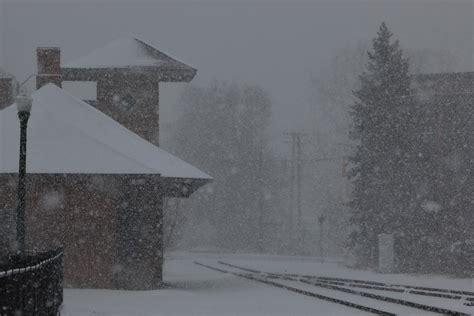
[307,158]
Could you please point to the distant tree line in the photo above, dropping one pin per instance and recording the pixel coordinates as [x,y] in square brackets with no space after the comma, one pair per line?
[411,170]
[222,129]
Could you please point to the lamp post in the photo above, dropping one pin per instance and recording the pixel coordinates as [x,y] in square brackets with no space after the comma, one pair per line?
[23,103]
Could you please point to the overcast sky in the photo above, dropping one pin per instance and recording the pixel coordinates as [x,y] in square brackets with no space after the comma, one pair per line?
[276,44]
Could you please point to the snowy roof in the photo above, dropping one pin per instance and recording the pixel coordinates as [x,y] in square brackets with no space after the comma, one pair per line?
[66,135]
[127,52]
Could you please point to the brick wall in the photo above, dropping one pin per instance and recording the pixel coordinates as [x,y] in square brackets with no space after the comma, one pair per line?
[131,100]
[85,214]
[49,66]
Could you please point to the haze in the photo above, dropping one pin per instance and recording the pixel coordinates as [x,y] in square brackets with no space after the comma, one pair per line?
[276,44]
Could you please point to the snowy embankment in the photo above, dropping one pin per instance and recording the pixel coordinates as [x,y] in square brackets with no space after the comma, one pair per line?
[195,290]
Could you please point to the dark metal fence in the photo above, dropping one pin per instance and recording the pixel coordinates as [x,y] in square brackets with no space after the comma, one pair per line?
[32,284]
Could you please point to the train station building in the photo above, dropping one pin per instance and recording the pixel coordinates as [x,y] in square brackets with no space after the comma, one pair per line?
[96,175]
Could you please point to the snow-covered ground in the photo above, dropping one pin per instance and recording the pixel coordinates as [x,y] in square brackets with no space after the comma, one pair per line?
[196,290]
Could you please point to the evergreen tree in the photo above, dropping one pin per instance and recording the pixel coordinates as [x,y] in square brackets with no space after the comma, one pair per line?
[383,121]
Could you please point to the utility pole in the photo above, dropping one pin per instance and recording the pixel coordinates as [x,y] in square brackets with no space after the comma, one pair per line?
[292,189]
[296,169]
[299,178]
[261,204]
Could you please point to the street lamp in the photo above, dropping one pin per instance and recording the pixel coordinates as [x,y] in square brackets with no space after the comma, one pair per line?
[23,103]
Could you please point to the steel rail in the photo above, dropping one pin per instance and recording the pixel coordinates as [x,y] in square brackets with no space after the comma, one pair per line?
[327,285]
[365,283]
[299,291]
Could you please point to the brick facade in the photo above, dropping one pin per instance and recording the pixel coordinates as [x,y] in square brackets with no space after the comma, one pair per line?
[49,66]
[132,100]
[109,226]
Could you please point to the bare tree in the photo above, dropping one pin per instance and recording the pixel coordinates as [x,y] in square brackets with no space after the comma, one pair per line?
[174,222]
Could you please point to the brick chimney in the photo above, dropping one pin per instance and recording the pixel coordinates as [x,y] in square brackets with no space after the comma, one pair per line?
[49,66]
[6,89]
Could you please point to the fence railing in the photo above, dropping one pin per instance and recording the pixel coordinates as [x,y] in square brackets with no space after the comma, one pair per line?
[32,284]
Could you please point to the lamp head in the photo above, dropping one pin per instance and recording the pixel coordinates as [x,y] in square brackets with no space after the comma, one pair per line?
[23,102]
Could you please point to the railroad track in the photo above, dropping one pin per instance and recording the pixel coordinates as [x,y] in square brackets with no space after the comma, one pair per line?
[371,285]
[299,291]
[328,284]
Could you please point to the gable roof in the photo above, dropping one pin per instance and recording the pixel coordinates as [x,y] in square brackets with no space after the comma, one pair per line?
[127,52]
[67,135]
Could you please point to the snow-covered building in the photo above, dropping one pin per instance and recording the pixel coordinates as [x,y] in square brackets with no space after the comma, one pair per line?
[127,73]
[96,181]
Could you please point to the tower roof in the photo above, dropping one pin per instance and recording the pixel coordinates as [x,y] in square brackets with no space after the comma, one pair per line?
[68,136]
[129,53]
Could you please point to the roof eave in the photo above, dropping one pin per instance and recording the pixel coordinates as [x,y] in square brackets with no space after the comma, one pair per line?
[444,75]
[182,187]
[183,74]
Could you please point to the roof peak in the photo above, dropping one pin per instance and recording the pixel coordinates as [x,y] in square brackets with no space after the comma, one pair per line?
[124,52]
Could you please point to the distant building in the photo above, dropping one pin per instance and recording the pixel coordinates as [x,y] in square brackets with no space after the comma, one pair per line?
[96,182]
[446,100]
[447,151]
[454,83]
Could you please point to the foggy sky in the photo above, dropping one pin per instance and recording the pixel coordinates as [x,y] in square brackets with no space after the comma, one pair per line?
[276,44]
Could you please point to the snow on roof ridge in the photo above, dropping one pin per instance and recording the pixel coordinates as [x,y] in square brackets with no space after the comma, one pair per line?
[165,53]
[130,51]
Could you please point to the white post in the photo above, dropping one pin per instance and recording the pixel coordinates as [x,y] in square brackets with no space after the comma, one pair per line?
[386,253]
